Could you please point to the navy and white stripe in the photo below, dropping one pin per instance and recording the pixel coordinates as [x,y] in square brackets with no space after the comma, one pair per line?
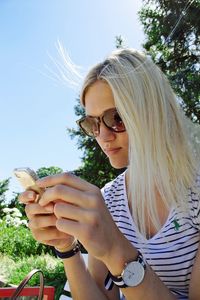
[171,251]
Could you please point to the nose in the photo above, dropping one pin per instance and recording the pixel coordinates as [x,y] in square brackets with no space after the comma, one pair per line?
[105,134]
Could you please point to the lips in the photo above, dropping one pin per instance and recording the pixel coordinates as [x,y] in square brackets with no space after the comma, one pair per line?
[112,151]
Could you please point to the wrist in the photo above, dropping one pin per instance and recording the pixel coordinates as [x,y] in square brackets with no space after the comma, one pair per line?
[66,247]
[132,275]
[123,252]
[69,251]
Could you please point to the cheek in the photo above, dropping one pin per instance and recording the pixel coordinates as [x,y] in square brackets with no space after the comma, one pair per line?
[125,144]
[99,142]
[124,141]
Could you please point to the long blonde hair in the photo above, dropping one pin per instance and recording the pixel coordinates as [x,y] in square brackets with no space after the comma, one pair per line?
[160,157]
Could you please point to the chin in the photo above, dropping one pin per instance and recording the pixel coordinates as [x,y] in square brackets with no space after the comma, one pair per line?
[118,165]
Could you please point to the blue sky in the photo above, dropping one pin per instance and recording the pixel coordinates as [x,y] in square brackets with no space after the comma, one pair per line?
[35,109]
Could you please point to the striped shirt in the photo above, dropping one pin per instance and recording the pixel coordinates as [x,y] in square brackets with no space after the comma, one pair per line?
[172,250]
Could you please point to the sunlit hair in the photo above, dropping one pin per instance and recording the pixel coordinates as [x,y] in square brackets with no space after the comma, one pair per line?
[160,158]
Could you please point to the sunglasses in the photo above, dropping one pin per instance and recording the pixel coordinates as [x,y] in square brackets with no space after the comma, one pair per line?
[110,118]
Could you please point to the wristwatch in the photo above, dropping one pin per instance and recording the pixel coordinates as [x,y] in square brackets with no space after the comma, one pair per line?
[132,274]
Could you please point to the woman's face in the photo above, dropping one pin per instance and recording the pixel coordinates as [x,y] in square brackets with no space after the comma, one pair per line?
[98,99]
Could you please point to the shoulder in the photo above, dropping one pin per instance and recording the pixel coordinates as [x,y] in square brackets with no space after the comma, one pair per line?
[114,187]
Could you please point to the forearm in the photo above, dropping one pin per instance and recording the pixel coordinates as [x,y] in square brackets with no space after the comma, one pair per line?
[151,288]
[82,285]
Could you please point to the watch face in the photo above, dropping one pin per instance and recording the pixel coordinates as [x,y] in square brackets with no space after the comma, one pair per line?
[133,273]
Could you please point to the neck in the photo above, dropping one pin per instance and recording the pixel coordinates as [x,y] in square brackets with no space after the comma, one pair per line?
[162,210]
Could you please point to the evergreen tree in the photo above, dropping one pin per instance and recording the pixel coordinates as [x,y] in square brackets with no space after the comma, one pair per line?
[172,31]
[46,171]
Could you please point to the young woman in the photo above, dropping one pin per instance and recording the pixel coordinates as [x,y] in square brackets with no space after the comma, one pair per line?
[141,230]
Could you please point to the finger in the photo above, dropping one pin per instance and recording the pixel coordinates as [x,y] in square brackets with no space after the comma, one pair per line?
[52,243]
[58,243]
[71,212]
[27,196]
[67,194]
[32,209]
[70,227]
[66,179]
[39,222]
[49,233]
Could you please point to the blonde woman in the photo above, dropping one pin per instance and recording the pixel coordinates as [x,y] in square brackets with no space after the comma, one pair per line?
[141,230]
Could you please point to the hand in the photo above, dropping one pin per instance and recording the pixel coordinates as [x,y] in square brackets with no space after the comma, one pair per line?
[80,212]
[42,222]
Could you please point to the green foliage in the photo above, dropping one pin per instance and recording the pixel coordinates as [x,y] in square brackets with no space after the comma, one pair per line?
[119,42]
[6,263]
[17,242]
[172,31]
[51,267]
[4,186]
[46,171]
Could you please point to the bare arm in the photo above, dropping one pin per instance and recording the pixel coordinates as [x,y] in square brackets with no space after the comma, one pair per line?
[151,288]
[82,283]
[90,282]
[81,212]
[42,224]
[99,272]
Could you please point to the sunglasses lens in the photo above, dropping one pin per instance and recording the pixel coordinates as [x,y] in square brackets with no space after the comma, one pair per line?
[110,118]
[113,121]
[90,126]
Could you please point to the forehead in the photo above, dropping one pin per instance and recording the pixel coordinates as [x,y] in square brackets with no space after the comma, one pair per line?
[98,98]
